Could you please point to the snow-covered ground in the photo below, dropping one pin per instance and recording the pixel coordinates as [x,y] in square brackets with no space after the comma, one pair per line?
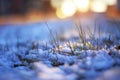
[27,52]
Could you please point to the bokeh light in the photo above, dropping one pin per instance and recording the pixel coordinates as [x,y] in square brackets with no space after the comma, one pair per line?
[60,14]
[82,5]
[56,3]
[34,10]
[98,6]
[68,8]
[111,2]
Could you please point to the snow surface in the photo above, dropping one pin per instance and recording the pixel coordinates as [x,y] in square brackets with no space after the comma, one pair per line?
[27,54]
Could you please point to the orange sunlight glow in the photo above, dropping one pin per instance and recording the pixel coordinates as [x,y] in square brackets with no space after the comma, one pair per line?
[60,14]
[98,6]
[111,2]
[56,3]
[82,5]
[67,8]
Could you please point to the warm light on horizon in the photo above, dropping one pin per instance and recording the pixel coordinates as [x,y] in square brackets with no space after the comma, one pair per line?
[67,8]
[82,5]
[111,2]
[56,3]
[99,6]
[60,14]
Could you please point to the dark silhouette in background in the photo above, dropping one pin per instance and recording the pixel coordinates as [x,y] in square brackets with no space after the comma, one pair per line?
[8,7]
[118,5]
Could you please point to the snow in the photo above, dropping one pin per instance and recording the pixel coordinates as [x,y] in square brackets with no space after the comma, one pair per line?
[102,60]
[28,54]
[108,75]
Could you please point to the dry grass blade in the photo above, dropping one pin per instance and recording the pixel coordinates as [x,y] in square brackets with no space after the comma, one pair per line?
[52,35]
[81,34]
[70,46]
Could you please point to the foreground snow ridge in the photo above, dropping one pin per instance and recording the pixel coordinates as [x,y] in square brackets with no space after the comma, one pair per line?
[39,64]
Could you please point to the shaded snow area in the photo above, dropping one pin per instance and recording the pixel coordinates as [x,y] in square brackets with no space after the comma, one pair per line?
[27,51]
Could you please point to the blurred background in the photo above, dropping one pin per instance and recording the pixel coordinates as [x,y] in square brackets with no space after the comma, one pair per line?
[20,11]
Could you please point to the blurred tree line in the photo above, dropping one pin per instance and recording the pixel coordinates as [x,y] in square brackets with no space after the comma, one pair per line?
[8,7]
[22,6]
[118,5]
